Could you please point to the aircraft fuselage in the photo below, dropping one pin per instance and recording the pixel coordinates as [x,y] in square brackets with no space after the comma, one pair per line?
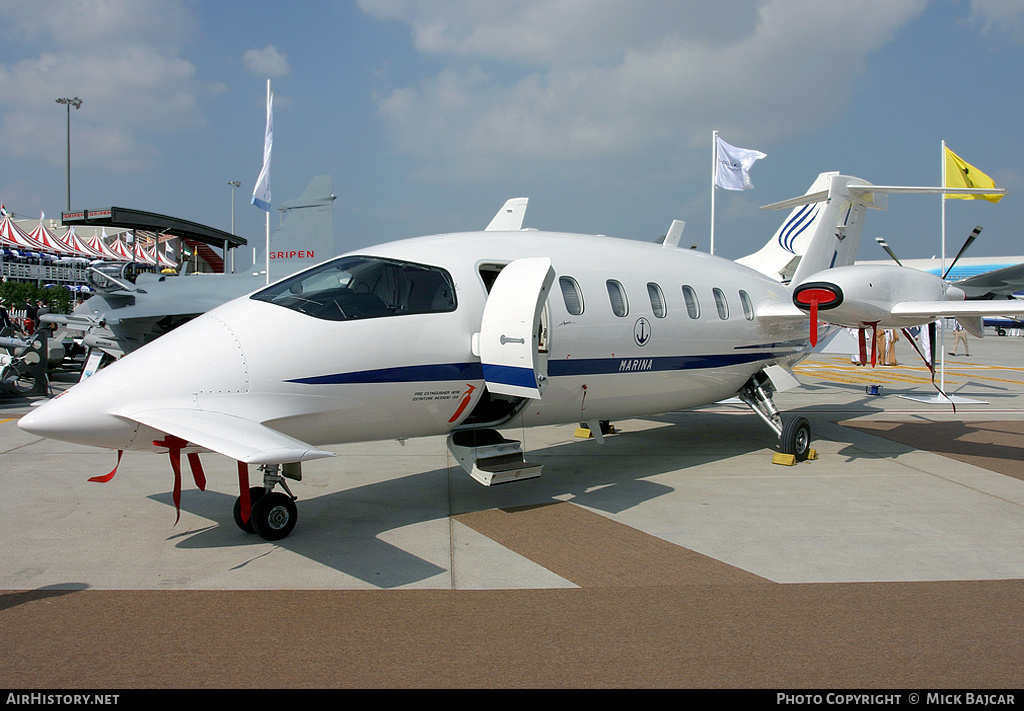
[627,328]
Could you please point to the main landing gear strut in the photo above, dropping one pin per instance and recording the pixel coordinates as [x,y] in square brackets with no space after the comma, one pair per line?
[794,433]
[272,514]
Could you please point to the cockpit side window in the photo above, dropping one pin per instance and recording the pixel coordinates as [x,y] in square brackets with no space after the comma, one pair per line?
[363,287]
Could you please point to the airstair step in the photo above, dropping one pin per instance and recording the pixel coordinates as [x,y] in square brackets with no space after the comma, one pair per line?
[490,458]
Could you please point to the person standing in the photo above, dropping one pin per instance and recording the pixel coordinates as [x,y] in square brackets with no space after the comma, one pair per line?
[31,317]
[959,335]
[890,347]
[6,323]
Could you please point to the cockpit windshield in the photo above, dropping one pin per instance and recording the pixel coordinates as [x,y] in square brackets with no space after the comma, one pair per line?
[363,287]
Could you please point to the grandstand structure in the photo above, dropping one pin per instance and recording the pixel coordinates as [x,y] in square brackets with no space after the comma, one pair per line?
[60,252]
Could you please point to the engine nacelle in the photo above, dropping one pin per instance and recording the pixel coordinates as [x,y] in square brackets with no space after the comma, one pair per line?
[859,296]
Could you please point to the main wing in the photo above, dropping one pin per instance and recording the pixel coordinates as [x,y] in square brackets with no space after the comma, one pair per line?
[998,282]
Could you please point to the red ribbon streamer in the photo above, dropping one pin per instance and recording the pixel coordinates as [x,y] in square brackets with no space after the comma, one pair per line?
[243,485]
[174,446]
[110,475]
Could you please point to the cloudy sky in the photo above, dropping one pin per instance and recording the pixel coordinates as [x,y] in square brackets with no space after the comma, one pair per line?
[429,114]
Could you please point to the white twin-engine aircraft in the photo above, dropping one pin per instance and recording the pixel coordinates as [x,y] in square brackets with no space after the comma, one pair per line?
[464,334]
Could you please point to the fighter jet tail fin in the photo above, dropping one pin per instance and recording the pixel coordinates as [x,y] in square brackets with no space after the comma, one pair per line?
[306,234]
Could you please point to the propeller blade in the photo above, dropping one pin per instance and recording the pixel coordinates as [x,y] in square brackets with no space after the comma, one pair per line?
[885,246]
[970,239]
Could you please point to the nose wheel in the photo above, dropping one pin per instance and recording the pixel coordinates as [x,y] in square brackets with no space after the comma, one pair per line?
[272,514]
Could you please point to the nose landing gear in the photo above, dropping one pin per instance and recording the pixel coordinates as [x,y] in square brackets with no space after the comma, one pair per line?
[272,514]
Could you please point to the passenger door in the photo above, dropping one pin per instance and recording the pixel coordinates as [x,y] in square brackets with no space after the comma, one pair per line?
[509,342]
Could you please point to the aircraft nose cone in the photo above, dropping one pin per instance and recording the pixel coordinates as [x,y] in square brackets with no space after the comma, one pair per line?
[68,421]
[100,411]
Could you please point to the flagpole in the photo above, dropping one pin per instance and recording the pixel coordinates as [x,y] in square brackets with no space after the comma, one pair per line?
[942,339]
[266,219]
[261,193]
[714,167]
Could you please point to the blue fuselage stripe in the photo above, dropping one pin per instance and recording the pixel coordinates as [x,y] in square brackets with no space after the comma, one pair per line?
[403,374]
[556,368]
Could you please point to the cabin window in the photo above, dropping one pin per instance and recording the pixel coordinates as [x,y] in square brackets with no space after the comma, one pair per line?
[721,303]
[692,305]
[657,300]
[571,295]
[617,296]
[748,307]
[363,287]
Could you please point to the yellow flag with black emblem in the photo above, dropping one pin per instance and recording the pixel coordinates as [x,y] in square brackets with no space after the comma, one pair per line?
[961,174]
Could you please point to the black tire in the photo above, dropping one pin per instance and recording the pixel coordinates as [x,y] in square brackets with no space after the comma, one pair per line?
[796,438]
[274,516]
[254,495]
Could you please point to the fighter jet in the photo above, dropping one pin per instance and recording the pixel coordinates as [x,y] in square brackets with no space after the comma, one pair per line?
[126,313]
[468,335]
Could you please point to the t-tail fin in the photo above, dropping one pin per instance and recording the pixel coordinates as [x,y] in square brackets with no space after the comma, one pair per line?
[823,230]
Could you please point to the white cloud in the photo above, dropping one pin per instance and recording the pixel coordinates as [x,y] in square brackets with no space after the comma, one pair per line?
[120,56]
[81,24]
[266,62]
[1005,17]
[567,79]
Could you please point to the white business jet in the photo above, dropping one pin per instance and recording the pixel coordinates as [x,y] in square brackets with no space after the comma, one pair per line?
[466,334]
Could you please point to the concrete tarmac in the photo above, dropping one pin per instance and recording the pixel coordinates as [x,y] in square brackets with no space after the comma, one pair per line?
[687,556]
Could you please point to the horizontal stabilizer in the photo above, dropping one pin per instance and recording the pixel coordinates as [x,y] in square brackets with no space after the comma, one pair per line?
[907,189]
[808,199]
[232,436]
[873,195]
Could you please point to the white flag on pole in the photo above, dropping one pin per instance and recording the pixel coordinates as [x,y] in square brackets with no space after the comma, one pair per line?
[261,193]
[733,165]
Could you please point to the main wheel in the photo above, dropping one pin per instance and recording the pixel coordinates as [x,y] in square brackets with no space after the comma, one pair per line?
[274,516]
[796,438]
[254,495]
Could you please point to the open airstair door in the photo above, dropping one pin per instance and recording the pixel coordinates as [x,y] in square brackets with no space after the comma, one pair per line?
[511,335]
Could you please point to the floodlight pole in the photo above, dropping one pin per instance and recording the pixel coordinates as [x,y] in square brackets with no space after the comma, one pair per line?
[76,102]
[234,184]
